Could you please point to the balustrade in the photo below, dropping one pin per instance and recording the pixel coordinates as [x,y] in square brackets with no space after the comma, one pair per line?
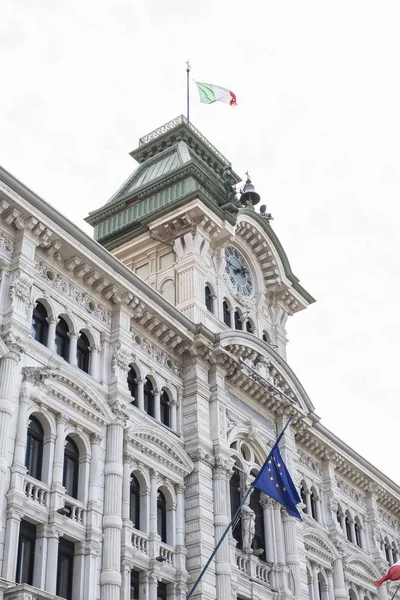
[36,491]
[139,541]
[167,553]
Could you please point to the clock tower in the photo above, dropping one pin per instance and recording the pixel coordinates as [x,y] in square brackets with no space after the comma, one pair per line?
[179,223]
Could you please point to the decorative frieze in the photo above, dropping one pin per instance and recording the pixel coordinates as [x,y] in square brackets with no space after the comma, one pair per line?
[388,520]
[351,493]
[20,291]
[310,462]
[158,355]
[6,244]
[67,288]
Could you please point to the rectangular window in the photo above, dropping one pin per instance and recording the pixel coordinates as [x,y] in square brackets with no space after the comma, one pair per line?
[26,553]
[162,591]
[65,569]
[134,585]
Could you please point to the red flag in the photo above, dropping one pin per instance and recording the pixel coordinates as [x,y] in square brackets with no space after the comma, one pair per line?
[392,575]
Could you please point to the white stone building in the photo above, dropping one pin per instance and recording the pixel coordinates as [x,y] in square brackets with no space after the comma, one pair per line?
[143,380]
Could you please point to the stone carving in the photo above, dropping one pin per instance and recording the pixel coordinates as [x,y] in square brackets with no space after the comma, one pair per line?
[248,528]
[14,346]
[120,358]
[388,520]
[6,244]
[244,301]
[68,289]
[310,463]
[159,356]
[20,291]
[351,493]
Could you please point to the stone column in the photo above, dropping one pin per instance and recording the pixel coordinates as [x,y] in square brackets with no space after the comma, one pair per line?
[172,407]
[94,361]
[58,464]
[93,548]
[153,582]
[268,529]
[126,484]
[140,393]
[22,424]
[52,560]
[315,581]
[73,341]
[221,475]
[14,516]
[156,395]
[126,580]
[11,350]
[338,580]
[280,547]
[153,502]
[39,570]
[331,588]
[353,531]
[29,314]
[292,556]
[308,503]
[51,334]
[110,578]
[232,315]
[94,474]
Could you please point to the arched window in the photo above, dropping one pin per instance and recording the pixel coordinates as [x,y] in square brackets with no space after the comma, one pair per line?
[258,544]
[34,449]
[132,385]
[209,298]
[71,468]
[227,313]
[313,502]
[234,486]
[357,530]
[134,506]
[164,409]
[348,527]
[249,326]
[40,328]
[148,397]
[266,337]
[61,344]
[162,517]
[83,353]
[387,551]
[238,320]
[303,496]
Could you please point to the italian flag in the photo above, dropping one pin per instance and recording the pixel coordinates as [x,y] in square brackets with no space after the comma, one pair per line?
[392,575]
[210,93]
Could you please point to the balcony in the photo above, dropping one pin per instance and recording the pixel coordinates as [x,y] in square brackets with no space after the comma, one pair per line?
[75,510]
[167,553]
[27,592]
[139,541]
[37,491]
[252,567]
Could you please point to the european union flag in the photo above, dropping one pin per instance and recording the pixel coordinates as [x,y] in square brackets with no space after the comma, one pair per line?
[275,481]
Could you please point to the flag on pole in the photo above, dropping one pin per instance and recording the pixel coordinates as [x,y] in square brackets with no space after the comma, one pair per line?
[210,93]
[392,575]
[275,481]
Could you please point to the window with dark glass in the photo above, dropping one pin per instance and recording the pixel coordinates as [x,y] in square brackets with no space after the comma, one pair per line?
[387,552]
[132,385]
[339,516]
[227,313]
[83,353]
[238,320]
[134,585]
[249,326]
[40,326]
[148,397]
[258,544]
[303,497]
[161,591]
[162,517]
[71,468]
[266,337]
[65,568]
[134,508]
[34,449]
[61,344]
[357,530]
[164,409]
[234,487]
[209,298]
[26,553]
[313,502]
[348,528]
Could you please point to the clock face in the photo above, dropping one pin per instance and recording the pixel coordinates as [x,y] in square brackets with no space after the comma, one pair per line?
[238,272]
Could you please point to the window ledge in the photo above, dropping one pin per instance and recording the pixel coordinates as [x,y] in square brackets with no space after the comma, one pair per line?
[23,591]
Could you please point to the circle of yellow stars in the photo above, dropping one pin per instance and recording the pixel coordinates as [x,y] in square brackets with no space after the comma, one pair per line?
[280,473]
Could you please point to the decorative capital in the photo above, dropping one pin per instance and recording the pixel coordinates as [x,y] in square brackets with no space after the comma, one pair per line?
[95,438]
[11,347]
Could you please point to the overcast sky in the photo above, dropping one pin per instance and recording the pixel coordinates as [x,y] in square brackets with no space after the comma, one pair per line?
[317,127]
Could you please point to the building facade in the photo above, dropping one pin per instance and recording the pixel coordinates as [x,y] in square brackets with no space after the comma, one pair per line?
[143,378]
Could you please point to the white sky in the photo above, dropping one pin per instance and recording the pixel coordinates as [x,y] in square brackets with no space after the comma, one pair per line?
[317,126]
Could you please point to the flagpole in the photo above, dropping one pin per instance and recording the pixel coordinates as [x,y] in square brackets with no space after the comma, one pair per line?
[188,67]
[394,595]
[235,516]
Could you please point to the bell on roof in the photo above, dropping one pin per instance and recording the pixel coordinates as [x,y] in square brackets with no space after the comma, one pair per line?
[249,196]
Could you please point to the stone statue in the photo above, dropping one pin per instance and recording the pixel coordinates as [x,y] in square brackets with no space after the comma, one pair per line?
[248,528]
